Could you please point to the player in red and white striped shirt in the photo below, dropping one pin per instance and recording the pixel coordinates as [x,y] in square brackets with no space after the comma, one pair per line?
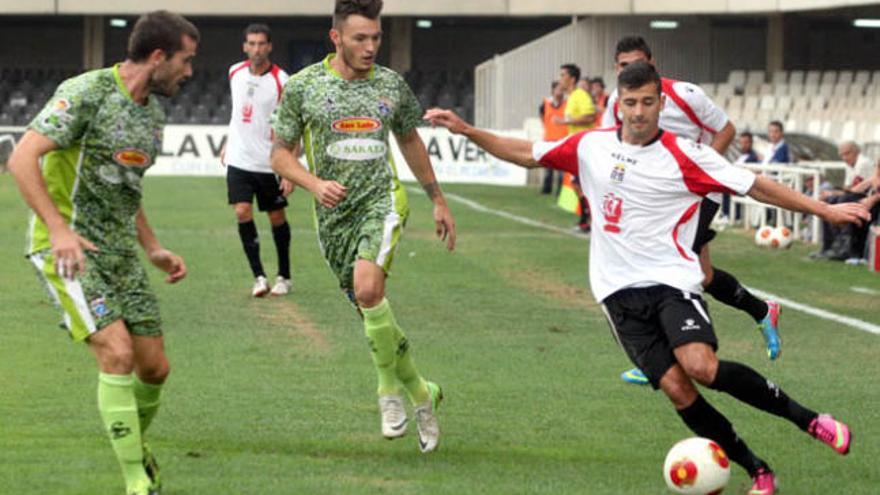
[646,187]
[256,85]
[689,113]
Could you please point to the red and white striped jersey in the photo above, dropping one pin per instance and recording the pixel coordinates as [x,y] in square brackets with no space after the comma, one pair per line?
[688,112]
[254,98]
[645,202]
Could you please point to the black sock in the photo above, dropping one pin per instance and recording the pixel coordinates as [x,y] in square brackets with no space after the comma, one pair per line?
[281,234]
[708,422]
[727,289]
[247,231]
[749,386]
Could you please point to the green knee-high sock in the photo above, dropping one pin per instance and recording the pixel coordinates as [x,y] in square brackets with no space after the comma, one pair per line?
[406,369]
[379,329]
[118,409]
[148,397]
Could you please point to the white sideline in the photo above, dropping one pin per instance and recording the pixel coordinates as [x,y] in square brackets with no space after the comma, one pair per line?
[788,303]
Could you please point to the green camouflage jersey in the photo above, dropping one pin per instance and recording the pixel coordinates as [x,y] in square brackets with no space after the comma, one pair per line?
[345,128]
[106,142]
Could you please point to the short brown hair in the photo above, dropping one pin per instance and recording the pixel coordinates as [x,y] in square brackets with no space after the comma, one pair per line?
[367,8]
[159,30]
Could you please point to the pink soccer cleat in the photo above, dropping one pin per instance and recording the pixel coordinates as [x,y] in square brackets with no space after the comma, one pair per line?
[831,432]
[764,483]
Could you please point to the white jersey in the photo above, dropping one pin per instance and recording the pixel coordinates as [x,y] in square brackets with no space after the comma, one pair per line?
[254,98]
[688,113]
[645,202]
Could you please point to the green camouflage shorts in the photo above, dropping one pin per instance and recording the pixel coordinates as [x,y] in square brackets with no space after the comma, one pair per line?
[114,287]
[372,236]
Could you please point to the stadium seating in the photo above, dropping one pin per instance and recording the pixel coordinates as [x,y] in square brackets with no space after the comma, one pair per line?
[835,105]
[204,100]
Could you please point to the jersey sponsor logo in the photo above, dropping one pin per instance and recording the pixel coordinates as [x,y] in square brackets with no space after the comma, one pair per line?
[247,113]
[132,157]
[612,209]
[618,173]
[351,125]
[358,149]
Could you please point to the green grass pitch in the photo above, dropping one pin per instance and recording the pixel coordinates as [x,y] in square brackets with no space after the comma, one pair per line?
[276,396]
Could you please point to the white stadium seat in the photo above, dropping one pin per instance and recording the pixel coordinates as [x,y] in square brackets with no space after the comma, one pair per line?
[780,77]
[863,77]
[845,77]
[767,102]
[737,78]
[755,78]
[813,78]
[829,77]
[796,77]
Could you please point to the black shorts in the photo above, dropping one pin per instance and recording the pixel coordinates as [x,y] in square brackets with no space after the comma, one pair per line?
[705,234]
[243,185]
[650,322]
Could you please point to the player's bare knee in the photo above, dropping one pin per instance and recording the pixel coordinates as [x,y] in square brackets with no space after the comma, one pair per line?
[678,387]
[116,359]
[155,373]
[368,295]
[244,212]
[277,218]
[702,370]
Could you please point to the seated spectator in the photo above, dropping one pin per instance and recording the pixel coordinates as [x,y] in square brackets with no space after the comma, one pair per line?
[848,242]
[779,151]
[744,145]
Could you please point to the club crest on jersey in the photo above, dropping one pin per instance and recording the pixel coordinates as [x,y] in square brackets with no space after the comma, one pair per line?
[356,125]
[99,307]
[131,157]
[618,173]
[385,107]
[247,113]
[612,209]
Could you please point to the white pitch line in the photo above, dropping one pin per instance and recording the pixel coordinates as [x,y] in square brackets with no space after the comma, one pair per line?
[788,303]
[865,290]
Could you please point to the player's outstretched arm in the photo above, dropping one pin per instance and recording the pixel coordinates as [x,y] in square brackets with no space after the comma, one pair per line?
[24,164]
[285,162]
[413,149]
[160,257]
[518,151]
[721,141]
[771,192]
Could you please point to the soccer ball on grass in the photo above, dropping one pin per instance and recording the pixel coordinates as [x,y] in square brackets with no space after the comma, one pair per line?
[696,466]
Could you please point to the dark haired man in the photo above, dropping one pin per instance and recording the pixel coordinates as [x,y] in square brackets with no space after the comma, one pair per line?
[690,113]
[344,109]
[648,183]
[255,85]
[97,136]
[779,152]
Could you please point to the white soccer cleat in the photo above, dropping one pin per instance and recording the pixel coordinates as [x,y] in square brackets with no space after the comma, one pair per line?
[282,286]
[426,419]
[261,287]
[394,418]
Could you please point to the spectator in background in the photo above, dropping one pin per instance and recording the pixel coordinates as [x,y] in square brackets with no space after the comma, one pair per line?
[744,145]
[600,97]
[551,110]
[779,151]
[859,172]
[580,115]
[848,243]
